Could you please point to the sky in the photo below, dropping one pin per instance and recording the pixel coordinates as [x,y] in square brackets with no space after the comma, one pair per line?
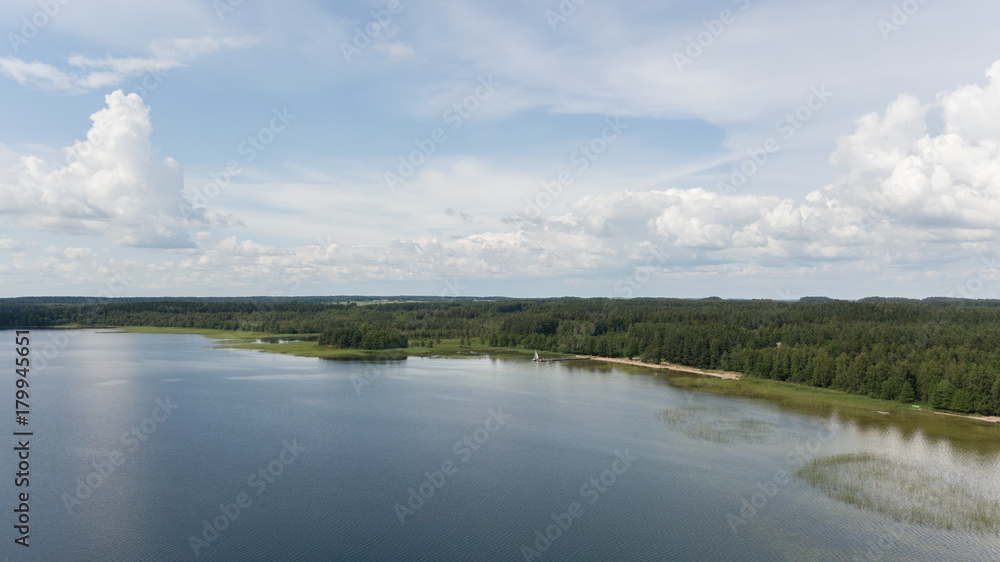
[737,148]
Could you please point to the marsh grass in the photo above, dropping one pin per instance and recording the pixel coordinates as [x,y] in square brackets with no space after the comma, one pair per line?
[904,491]
[718,425]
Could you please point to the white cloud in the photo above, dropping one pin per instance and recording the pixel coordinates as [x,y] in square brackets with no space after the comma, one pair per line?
[618,60]
[40,75]
[111,71]
[973,112]
[906,199]
[11,245]
[919,184]
[111,185]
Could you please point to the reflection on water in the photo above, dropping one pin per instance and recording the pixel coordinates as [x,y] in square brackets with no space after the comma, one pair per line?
[372,431]
[973,436]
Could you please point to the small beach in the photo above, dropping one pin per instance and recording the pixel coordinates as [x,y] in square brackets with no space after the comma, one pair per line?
[667,366]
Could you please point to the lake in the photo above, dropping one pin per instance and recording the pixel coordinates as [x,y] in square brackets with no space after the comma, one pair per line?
[162,447]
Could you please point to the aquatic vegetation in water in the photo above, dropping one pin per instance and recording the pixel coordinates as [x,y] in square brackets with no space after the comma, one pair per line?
[905,491]
[718,424]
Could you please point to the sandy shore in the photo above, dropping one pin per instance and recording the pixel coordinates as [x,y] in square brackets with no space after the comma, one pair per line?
[990,419]
[667,366]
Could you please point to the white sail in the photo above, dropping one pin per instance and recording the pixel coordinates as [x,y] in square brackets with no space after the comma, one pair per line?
[536,357]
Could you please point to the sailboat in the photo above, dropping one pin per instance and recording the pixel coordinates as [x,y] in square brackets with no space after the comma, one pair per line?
[536,357]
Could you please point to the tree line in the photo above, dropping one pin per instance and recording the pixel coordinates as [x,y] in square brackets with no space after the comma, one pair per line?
[941,352]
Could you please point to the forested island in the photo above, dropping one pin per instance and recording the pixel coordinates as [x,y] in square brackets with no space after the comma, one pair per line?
[943,353]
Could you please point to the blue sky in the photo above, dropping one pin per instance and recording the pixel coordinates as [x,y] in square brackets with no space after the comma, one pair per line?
[201,147]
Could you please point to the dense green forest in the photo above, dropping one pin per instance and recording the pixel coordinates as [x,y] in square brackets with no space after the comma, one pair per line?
[942,352]
[362,337]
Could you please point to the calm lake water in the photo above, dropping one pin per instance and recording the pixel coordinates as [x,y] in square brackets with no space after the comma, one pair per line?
[342,460]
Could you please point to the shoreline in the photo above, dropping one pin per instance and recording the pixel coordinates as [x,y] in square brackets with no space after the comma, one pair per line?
[679,368]
[242,340]
[987,419]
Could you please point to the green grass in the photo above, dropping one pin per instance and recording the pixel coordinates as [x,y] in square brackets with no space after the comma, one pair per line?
[904,491]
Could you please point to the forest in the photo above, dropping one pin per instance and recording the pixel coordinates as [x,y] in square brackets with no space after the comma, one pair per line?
[941,352]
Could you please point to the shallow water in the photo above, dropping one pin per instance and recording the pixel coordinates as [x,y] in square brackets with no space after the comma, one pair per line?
[370,432]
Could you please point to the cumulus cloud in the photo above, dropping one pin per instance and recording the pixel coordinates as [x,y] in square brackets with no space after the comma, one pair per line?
[111,185]
[920,187]
[906,196]
[973,112]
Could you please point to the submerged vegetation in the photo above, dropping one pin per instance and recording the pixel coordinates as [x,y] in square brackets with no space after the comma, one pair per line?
[866,413]
[941,353]
[905,491]
[718,424]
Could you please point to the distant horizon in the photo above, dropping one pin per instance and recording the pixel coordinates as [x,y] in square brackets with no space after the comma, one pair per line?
[391,298]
